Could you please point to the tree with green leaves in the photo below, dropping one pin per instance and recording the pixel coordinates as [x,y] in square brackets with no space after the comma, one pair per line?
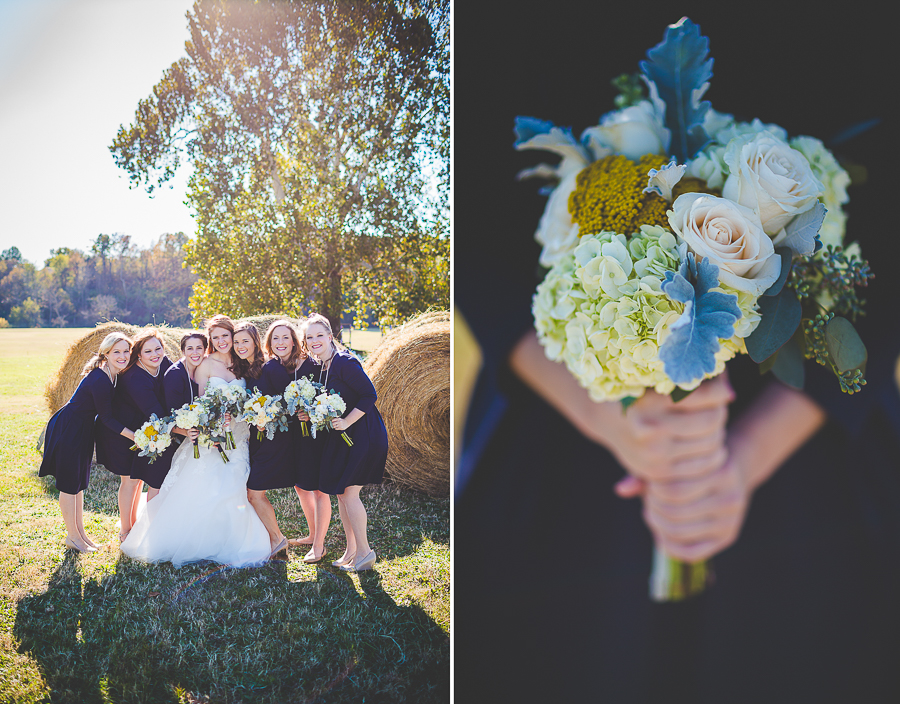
[318,133]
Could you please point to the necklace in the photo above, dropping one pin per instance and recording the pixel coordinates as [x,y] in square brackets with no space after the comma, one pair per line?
[147,370]
[327,370]
[112,379]
[190,382]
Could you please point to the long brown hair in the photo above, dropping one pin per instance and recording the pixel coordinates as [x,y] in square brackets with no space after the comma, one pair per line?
[296,356]
[191,335]
[226,323]
[140,341]
[251,368]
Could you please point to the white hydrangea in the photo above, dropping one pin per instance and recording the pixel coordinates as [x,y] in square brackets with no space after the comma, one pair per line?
[835,179]
[603,313]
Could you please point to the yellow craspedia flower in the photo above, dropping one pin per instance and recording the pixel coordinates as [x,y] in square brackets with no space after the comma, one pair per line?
[609,196]
[150,432]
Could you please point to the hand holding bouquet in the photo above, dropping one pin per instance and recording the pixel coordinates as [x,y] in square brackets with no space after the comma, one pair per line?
[266,412]
[227,399]
[153,437]
[191,415]
[299,396]
[325,409]
[677,237]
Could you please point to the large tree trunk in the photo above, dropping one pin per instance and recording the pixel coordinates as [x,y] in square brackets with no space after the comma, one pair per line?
[334,303]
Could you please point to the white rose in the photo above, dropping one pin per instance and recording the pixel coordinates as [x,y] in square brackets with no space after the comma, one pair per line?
[556,231]
[770,177]
[632,132]
[730,236]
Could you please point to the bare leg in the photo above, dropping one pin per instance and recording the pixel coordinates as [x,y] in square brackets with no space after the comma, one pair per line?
[67,506]
[151,492]
[266,513]
[307,503]
[356,517]
[129,493]
[321,518]
[79,519]
[350,552]
[138,490]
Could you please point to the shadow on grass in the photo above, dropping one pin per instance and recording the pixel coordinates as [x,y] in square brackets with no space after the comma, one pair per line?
[156,633]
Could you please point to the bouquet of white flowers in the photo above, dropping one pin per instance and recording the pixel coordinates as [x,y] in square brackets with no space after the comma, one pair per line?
[266,411]
[677,237]
[153,437]
[191,415]
[325,408]
[227,398]
[299,395]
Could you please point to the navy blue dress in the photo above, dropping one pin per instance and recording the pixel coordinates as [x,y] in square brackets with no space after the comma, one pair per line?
[178,387]
[363,462]
[69,440]
[309,449]
[273,462]
[138,396]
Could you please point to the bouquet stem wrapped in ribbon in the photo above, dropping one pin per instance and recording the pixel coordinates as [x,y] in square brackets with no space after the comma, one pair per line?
[676,237]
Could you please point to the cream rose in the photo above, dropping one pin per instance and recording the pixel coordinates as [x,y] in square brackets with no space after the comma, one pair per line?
[770,177]
[730,236]
[633,132]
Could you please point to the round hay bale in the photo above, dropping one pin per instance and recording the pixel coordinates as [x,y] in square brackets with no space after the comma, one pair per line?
[62,385]
[411,373]
[262,322]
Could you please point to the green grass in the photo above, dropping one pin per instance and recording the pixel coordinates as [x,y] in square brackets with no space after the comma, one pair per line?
[105,628]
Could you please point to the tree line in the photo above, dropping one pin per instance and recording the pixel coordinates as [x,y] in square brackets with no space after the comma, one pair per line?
[113,279]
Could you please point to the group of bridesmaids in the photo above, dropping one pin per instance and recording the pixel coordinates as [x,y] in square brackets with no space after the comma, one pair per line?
[128,380]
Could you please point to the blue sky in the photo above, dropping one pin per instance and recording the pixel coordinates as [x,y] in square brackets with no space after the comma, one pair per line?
[72,71]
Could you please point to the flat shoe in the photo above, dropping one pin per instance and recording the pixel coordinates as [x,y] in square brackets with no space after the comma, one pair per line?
[297,542]
[310,560]
[282,545]
[367,563]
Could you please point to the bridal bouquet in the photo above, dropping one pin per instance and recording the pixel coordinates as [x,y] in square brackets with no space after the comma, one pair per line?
[266,411]
[228,398]
[191,415]
[677,237]
[153,437]
[325,408]
[299,395]
[213,431]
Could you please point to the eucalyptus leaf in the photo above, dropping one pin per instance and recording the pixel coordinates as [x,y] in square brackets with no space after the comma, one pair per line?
[788,366]
[803,231]
[627,401]
[766,364]
[781,315]
[787,261]
[845,347]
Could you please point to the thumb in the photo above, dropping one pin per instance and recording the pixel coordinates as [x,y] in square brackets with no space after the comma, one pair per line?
[629,487]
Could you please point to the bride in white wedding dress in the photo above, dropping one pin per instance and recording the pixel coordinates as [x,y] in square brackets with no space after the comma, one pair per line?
[202,511]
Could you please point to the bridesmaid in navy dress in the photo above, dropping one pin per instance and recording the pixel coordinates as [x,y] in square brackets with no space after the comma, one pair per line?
[143,394]
[179,386]
[69,440]
[343,469]
[272,462]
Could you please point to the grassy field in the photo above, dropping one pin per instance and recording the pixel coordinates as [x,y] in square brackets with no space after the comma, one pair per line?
[105,628]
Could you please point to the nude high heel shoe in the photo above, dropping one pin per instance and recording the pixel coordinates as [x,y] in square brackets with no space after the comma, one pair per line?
[367,563]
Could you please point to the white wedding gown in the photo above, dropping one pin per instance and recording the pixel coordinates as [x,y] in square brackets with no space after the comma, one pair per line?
[202,511]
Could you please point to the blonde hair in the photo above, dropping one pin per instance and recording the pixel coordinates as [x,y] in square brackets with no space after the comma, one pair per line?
[313,319]
[105,347]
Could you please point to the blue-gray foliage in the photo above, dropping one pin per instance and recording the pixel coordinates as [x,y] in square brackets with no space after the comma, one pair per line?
[689,351]
[679,68]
